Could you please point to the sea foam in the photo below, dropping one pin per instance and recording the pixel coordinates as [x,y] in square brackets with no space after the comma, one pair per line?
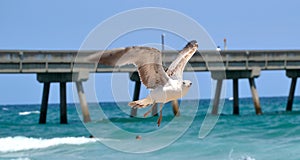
[28,112]
[14,144]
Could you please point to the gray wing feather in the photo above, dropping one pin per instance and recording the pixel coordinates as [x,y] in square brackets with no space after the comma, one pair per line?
[148,61]
[176,68]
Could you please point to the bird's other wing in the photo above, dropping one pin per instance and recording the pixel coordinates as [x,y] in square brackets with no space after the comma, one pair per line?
[148,61]
[176,68]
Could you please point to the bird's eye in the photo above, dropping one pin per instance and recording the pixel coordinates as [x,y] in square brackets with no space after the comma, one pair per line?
[183,82]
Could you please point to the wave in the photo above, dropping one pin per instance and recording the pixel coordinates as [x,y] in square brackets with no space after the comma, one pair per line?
[241,158]
[15,144]
[28,112]
[21,158]
[247,158]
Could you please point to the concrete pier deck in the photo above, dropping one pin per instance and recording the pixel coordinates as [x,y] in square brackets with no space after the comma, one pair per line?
[62,66]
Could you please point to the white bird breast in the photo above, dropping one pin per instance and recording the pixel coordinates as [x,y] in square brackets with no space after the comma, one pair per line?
[171,91]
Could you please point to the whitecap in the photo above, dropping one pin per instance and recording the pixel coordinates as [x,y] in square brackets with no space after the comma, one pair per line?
[5,109]
[28,113]
[241,158]
[247,158]
[15,144]
[21,158]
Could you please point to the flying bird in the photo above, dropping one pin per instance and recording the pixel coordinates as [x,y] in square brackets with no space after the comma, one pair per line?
[164,85]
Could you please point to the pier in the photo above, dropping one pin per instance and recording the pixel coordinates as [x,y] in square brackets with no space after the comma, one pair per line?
[63,67]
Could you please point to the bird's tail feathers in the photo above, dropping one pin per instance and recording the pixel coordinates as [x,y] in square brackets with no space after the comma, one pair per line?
[140,103]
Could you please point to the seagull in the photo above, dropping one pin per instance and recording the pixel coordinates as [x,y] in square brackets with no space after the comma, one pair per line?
[164,85]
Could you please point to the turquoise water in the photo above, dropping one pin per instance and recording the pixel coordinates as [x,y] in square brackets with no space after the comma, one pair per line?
[273,135]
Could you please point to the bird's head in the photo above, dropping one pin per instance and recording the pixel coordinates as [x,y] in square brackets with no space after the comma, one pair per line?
[186,84]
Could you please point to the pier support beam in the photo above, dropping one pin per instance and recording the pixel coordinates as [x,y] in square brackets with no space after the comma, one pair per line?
[63,103]
[136,96]
[62,79]
[216,102]
[235,75]
[255,96]
[44,106]
[236,110]
[134,76]
[289,105]
[83,102]
[294,74]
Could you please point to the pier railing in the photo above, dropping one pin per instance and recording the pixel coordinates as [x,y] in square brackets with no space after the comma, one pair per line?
[65,61]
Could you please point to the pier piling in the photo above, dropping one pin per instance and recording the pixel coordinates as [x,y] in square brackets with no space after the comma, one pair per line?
[83,102]
[63,103]
[235,75]
[236,110]
[136,96]
[216,102]
[293,74]
[44,106]
[134,76]
[62,79]
[255,96]
[289,105]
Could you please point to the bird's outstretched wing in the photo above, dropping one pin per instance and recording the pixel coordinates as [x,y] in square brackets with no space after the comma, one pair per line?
[176,68]
[148,61]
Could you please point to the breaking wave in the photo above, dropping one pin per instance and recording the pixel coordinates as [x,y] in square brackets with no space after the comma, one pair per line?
[28,112]
[15,144]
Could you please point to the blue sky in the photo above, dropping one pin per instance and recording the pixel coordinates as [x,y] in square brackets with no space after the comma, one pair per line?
[64,25]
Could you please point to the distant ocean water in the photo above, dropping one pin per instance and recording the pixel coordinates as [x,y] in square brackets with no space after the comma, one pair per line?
[273,135]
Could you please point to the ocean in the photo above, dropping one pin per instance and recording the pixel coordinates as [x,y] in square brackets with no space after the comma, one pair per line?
[273,135]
